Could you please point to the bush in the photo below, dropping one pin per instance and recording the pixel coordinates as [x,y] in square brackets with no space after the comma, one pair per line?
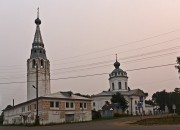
[96,115]
[120,115]
[178,109]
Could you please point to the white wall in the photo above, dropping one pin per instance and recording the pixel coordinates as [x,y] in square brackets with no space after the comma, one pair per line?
[43,77]
[100,102]
[116,85]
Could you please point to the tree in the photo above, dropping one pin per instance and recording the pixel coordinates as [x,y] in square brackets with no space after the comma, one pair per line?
[150,102]
[177,90]
[118,98]
[161,98]
[178,66]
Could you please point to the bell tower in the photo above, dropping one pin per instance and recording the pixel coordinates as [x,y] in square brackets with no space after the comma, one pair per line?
[38,59]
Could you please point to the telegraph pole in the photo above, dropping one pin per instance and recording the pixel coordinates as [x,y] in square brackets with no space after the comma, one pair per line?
[37,104]
[131,106]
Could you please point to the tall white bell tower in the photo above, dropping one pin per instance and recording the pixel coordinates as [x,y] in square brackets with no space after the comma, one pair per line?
[38,59]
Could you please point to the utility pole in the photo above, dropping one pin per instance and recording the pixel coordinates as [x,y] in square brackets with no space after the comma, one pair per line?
[37,104]
[131,106]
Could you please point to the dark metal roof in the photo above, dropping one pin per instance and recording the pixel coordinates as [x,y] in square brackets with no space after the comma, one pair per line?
[117,72]
[38,50]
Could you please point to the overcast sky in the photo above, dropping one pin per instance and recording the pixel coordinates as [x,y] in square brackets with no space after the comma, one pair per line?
[81,37]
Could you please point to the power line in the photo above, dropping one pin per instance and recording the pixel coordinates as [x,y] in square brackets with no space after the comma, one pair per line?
[130,50]
[113,54]
[127,43]
[135,60]
[124,58]
[91,75]
[102,62]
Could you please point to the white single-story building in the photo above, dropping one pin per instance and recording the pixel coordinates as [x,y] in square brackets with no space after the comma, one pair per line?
[57,107]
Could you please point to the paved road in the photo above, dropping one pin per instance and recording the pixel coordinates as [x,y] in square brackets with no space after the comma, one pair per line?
[115,124]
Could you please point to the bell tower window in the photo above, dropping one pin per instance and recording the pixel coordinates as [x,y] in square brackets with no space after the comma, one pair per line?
[33,63]
[112,86]
[42,63]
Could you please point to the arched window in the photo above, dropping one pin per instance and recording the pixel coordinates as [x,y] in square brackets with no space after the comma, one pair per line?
[42,63]
[125,85]
[33,63]
[119,84]
[40,51]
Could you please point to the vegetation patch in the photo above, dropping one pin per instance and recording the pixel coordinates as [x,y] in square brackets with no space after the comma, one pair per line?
[159,121]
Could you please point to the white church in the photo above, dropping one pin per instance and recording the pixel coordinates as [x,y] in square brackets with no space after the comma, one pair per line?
[118,82]
[50,107]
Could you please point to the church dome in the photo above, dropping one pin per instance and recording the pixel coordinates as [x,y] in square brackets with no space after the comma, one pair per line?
[117,72]
[38,21]
[116,64]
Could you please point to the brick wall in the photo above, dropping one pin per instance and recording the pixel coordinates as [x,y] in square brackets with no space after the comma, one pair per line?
[44,105]
[89,105]
[62,105]
[77,105]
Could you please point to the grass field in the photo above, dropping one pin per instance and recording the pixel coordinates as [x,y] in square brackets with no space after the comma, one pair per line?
[159,121]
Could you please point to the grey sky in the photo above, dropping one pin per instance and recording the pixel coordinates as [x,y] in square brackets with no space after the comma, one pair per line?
[76,27]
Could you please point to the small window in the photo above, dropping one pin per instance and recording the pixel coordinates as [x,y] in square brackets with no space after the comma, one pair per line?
[57,104]
[81,105]
[34,106]
[34,51]
[135,102]
[119,84]
[72,104]
[40,51]
[67,104]
[94,104]
[85,105]
[23,109]
[51,104]
[112,86]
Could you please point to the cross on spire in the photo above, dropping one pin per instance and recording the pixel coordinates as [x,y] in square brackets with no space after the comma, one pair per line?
[38,12]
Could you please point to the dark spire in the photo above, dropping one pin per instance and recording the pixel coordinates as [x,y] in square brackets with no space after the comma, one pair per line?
[38,21]
[116,64]
[38,45]
[37,36]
